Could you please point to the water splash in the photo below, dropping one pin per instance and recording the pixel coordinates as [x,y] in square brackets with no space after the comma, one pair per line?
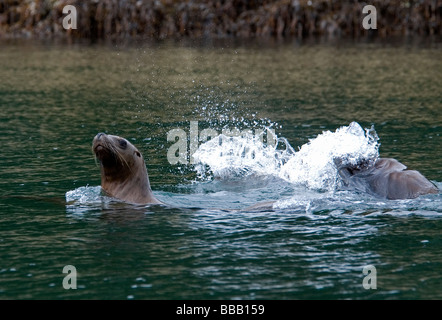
[84,195]
[233,157]
[313,166]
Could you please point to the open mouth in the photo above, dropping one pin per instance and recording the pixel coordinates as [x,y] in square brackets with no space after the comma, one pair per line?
[98,148]
[102,153]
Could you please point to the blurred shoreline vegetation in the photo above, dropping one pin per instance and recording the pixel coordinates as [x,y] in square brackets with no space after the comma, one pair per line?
[161,19]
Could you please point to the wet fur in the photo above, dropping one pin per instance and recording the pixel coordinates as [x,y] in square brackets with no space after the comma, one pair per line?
[123,170]
[386,178]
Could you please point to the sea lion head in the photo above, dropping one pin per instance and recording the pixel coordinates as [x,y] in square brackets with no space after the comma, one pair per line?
[116,155]
[386,178]
[123,170]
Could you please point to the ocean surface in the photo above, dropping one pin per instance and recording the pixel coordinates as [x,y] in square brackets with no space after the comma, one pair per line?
[284,111]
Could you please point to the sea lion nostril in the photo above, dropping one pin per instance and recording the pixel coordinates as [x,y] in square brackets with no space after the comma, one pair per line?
[99,135]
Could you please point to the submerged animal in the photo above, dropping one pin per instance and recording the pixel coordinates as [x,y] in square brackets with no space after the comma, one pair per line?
[386,178]
[123,170]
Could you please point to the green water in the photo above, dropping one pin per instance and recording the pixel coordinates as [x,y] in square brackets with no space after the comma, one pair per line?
[54,98]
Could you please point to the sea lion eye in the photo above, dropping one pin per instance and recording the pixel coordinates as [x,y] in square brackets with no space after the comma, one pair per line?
[123,144]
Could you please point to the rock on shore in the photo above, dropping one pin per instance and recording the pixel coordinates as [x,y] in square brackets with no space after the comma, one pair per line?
[159,19]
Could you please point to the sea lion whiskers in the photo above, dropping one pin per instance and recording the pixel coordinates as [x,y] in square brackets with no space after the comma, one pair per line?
[120,157]
[115,153]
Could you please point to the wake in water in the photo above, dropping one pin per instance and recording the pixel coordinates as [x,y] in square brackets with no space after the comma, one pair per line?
[312,166]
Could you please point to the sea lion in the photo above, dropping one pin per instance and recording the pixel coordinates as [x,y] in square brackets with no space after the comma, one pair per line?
[123,170]
[386,178]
